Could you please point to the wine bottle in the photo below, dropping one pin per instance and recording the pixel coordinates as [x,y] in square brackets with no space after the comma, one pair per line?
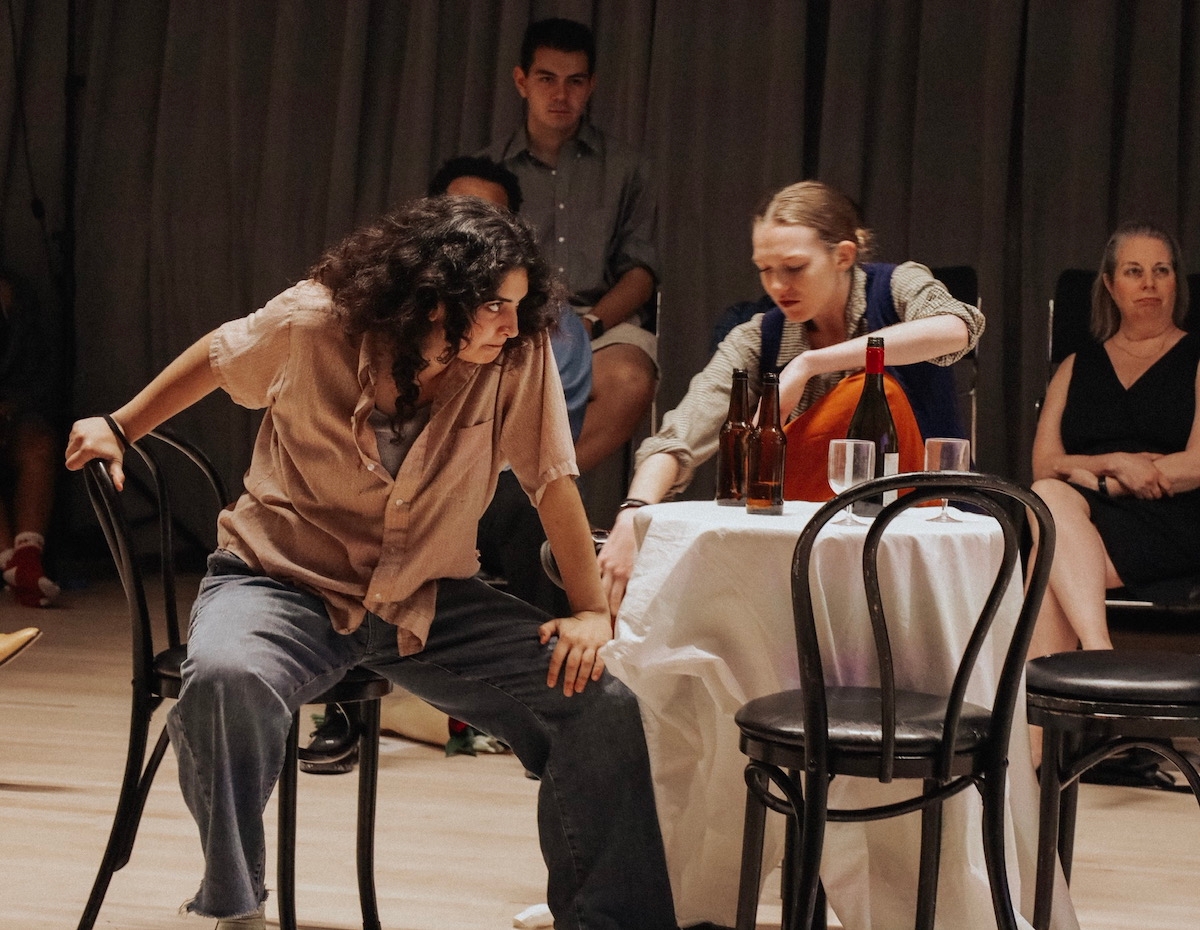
[767,450]
[872,420]
[731,444]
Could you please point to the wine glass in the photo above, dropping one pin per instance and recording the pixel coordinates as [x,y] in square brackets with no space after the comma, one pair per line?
[851,462]
[947,455]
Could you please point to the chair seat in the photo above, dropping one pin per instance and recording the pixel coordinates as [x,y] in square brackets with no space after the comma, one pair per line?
[854,720]
[359,684]
[1117,677]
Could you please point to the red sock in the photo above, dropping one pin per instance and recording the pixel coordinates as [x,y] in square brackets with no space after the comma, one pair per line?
[24,574]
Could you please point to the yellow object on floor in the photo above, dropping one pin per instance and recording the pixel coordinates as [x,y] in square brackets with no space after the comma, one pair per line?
[12,644]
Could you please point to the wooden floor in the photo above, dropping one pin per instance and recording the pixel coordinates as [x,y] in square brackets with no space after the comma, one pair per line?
[457,843]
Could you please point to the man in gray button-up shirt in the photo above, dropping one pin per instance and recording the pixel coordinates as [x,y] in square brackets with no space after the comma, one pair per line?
[591,201]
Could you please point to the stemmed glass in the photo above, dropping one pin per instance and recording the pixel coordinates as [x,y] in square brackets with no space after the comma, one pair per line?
[947,455]
[851,462]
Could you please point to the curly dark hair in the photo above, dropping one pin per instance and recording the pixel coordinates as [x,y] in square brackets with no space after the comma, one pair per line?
[389,277]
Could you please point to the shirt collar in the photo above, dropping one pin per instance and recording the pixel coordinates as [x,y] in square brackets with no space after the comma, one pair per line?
[588,139]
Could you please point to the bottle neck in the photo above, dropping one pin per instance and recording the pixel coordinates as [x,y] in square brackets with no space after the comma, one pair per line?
[874,360]
[769,416]
[738,400]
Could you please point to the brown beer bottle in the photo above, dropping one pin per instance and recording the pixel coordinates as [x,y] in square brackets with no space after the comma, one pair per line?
[731,444]
[767,452]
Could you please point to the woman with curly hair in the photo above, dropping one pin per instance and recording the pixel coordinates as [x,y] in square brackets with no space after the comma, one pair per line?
[397,380]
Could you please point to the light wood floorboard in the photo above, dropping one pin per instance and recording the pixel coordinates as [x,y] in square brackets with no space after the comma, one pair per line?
[457,844]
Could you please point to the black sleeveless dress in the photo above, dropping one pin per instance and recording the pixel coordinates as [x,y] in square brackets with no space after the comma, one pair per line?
[1147,540]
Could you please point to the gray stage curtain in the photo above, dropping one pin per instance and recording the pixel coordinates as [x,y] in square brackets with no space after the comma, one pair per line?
[223,144]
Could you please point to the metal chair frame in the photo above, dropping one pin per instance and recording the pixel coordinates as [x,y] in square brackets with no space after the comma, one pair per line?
[156,677]
[805,731]
[1079,731]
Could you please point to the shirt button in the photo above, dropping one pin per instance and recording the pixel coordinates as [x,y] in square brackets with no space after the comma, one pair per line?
[370,466]
[562,238]
[562,206]
[378,597]
[397,502]
[562,270]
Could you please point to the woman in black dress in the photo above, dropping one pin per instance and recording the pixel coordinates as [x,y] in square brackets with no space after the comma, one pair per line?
[1117,451]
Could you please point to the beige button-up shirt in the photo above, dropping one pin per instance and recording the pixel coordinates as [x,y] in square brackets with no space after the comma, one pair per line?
[319,509]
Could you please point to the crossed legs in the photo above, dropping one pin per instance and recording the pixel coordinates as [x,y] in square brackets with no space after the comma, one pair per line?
[1072,613]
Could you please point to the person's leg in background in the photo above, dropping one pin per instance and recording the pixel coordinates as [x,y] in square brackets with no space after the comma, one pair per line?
[31,452]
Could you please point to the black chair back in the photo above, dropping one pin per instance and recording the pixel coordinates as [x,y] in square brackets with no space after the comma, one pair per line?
[963,284]
[120,536]
[991,495]
[157,671]
[961,281]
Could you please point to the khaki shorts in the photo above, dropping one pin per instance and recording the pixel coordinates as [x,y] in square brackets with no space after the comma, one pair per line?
[633,335]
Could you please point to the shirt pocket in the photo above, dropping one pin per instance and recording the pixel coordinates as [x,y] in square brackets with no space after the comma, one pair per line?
[466,474]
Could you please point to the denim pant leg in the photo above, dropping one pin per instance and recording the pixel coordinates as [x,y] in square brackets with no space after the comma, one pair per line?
[599,830]
[257,650]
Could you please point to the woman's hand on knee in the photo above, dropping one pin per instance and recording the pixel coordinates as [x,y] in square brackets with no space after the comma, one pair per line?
[576,655]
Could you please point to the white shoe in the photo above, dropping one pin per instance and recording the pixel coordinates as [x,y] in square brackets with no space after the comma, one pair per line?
[255,921]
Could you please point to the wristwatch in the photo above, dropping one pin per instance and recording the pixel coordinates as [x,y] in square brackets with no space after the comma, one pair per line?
[597,325]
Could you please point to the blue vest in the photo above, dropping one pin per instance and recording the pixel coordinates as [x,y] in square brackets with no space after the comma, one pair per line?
[929,387]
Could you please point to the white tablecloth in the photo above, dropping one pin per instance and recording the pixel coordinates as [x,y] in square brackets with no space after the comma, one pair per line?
[707,624]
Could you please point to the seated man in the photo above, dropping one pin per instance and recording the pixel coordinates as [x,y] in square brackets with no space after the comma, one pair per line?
[591,201]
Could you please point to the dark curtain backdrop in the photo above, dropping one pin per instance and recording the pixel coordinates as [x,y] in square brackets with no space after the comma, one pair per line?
[223,144]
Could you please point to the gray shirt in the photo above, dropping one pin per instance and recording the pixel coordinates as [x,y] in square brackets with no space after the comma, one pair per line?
[595,212]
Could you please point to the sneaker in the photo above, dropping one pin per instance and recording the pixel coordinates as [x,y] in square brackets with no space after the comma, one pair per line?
[333,766]
[333,748]
[255,921]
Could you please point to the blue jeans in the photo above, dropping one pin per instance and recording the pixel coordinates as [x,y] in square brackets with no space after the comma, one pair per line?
[259,648]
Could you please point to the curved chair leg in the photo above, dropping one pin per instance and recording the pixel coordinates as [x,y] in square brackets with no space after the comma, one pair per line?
[751,874]
[287,829]
[992,791]
[135,787]
[1049,825]
[368,778]
[806,887]
[931,860]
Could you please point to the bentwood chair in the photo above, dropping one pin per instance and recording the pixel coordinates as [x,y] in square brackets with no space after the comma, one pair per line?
[1093,705]
[1162,615]
[798,740]
[157,677]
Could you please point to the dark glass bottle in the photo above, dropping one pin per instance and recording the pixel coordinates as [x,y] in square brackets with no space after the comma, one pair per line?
[767,450]
[731,443]
[872,420]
